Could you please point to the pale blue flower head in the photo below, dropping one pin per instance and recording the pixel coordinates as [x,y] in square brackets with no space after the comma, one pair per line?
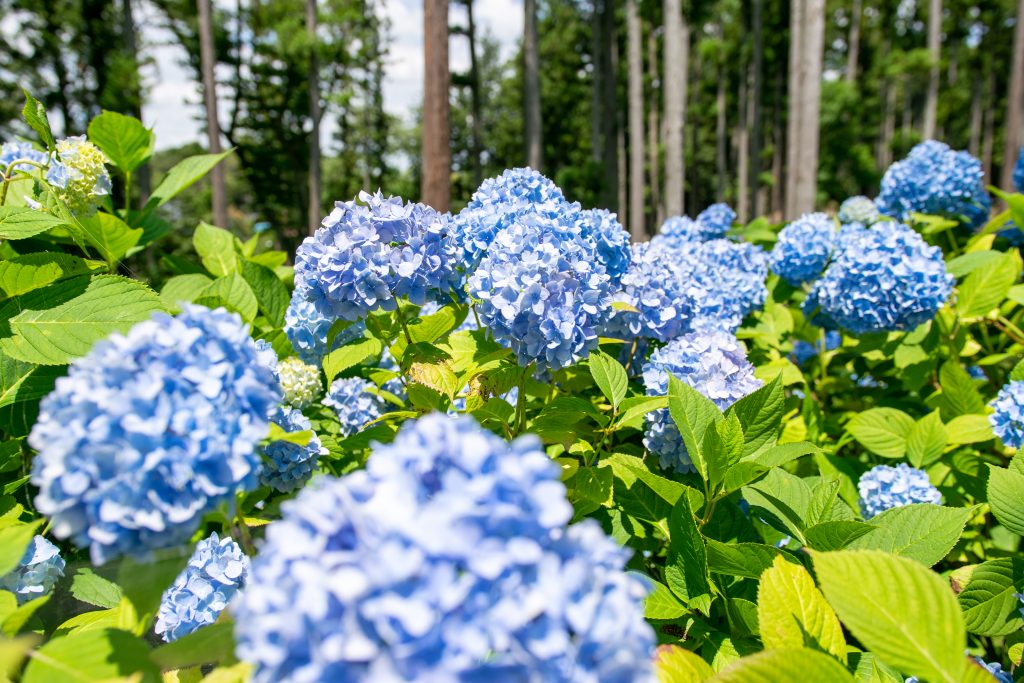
[353,404]
[38,570]
[716,220]
[611,240]
[858,209]
[13,151]
[656,286]
[151,430]
[447,559]
[679,231]
[804,248]
[216,571]
[883,487]
[307,329]
[804,351]
[713,363]
[726,281]
[1007,418]
[287,465]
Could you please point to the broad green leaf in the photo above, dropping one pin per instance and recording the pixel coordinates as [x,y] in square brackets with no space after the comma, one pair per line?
[55,336]
[271,294]
[91,621]
[740,559]
[428,329]
[959,391]
[212,644]
[883,431]
[349,355]
[927,440]
[31,271]
[299,438]
[19,619]
[90,587]
[867,668]
[760,414]
[592,488]
[632,410]
[661,603]
[125,141]
[969,429]
[673,664]
[1006,497]
[692,413]
[21,222]
[792,612]
[898,609]
[686,571]
[610,376]
[21,386]
[216,249]
[14,539]
[785,664]
[143,583]
[782,500]
[184,174]
[111,236]
[183,289]
[233,293]
[968,263]
[989,601]
[437,376]
[836,534]
[92,655]
[35,116]
[986,288]
[13,652]
[922,531]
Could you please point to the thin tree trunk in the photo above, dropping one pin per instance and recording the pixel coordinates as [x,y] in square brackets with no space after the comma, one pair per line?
[883,154]
[142,174]
[811,45]
[988,134]
[653,131]
[531,78]
[207,63]
[314,211]
[778,151]
[721,142]
[474,85]
[931,102]
[675,76]
[1013,105]
[742,151]
[634,48]
[794,136]
[853,49]
[974,136]
[436,143]
[755,106]
[609,105]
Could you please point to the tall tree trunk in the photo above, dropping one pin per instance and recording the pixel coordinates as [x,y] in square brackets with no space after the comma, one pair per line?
[436,143]
[853,49]
[804,172]
[634,48]
[314,211]
[742,150]
[207,60]
[974,134]
[988,128]
[608,56]
[721,141]
[474,92]
[129,33]
[883,153]
[653,132]
[755,106]
[1013,104]
[931,102]
[794,135]
[531,78]
[676,72]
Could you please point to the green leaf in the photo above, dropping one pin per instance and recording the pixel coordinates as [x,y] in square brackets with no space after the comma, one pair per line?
[989,601]
[1006,497]
[55,336]
[748,560]
[212,644]
[216,249]
[35,116]
[144,583]
[686,571]
[836,534]
[883,431]
[693,413]
[899,610]
[969,429]
[632,410]
[90,587]
[184,174]
[21,386]
[21,222]
[760,414]
[271,294]
[959,390]
[17,621]
[983,290]
[673,664]
[183,289]
[349,355]
[24,273]
[277,433]
[661,603]
[592,488]
[782,500]
[126,142]
[610,377]
[233,293]
[14,538]
[722,447]
[972,261]
[922,531]
[927,440]
[792,612]
[109,234]
[785,664]
[92,655]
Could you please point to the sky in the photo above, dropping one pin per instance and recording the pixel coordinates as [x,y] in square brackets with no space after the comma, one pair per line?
[174,105]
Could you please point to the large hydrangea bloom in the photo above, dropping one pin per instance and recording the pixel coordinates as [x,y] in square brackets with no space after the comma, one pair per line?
[447,559]
[79,171]
[716,220]
[883,278]
[656,287]
[13,151]
[353,404]
[934,179]
[368,255]
[307,329]
[1008,417]
[715,364]
[542,290]
[40,567]
[804,248]
[212,577]
[678,232]
[516,187]
[151,430]
[726,281]
[858,209]
[883,487]
[287,465]
[611,240]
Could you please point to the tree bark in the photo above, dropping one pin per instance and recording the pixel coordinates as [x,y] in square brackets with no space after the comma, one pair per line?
[531,78]
[988,129]
[803,172]
[654,131]
[931,102]
[436,142]
[742,150]
[208,61]
[755,106]
[142,174]
[974,132]
[721,142]
[675,75]
[853,49]
[1013,104]
[314,211]
[793,129]
[634,38]
[474,85]
[608,56]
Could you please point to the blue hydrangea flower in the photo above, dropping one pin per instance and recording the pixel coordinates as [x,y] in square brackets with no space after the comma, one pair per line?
[368,255]
[542,291]
[516,187]
[858,209]
[216,571]
[300,383]
[716,220]
[1008,417]
[934,179]
[1018,172]
[804,248]
[679,231]
[78,170]
[726,281]
[151,430]
[13,151]
[447,559]
[611,239]
[883,487]
[804,351]
[38,570]
[883,278]
[715,364]
[287,466]
[976,372]
[307,329]
[353,404]
[656,286]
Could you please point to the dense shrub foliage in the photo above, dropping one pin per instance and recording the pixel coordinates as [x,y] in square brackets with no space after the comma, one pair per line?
[507,444]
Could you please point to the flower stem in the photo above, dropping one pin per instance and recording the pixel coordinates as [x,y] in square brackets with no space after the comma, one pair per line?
[521,401]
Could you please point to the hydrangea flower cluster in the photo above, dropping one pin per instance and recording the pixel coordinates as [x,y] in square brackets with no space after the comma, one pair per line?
[716,220]
[287,466]
[858,209]
[726,283]
[679,232]
[542,291]
[611,239]
[353,404]
[1008,417]
[38,570]
[367,255]
[882,278]
[715,364]
[216,571]
[516,188]
[151,430]
[804,351]
[804,248]
[299,382]
[448,558]
[884,487]
[79,170]
[13,151]
[934,179]
[656,287]
[307,329]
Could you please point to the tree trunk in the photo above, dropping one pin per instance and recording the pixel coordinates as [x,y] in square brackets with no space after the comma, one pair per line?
[436,142]
[207,60]
[803,171]
[1013,105]
[474,85]
[676,72]
[931,102]
[883,154]
[531,78]
[142,174]
[721,142]
[988,128]
[742,151]
[974,134]
[634,47]
[653,132]
[314,211]
[755,107]
[608,56]
[793,129]
[778,148]
[853,49]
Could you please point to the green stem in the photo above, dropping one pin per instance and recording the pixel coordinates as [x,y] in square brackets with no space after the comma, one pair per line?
[127,193]
[1011,330]
[405,328]
[521,402]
